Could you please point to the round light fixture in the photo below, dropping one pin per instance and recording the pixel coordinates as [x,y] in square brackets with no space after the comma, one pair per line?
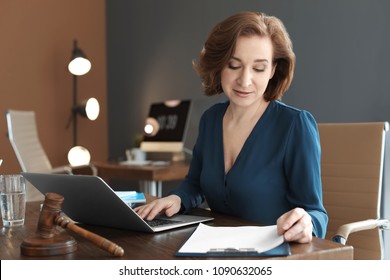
[92,109]
[78,156]
[79,66]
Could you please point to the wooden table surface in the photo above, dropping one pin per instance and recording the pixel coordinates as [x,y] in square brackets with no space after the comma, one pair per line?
[150,246]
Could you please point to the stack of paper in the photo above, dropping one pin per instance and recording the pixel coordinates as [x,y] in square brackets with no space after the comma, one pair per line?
[231,241]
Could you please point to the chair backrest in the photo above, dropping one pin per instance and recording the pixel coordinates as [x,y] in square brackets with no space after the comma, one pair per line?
[23,135]
[352,172]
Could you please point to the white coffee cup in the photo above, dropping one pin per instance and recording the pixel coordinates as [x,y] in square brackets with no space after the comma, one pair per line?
[135,154]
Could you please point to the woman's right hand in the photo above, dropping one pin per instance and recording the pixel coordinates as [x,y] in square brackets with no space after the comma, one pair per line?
[170,205]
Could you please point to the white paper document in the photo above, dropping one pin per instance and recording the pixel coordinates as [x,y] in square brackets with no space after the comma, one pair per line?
[243,238]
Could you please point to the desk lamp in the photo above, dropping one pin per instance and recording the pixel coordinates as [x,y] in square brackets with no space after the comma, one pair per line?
[78,66]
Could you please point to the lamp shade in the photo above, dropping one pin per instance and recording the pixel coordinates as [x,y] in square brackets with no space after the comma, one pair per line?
[79,64]
[89,109]
[78,156]
[92,109]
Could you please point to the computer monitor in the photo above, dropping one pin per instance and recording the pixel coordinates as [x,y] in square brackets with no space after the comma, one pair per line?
[166,126]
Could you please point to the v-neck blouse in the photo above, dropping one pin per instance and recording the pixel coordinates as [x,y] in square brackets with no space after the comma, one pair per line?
[277,169]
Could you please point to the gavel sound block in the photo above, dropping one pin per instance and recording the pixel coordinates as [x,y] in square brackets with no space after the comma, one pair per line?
[48,241]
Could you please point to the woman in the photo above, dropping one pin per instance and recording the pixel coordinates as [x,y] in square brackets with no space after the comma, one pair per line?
[255,157]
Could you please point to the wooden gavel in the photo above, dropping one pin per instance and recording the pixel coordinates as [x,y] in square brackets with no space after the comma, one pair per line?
[50,217]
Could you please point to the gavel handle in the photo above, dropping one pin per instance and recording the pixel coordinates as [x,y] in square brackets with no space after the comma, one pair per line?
[98,240]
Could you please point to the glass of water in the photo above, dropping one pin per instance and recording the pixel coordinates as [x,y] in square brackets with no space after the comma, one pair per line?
[12,199]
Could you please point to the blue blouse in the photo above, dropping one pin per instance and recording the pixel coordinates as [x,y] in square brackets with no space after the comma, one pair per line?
[277,169]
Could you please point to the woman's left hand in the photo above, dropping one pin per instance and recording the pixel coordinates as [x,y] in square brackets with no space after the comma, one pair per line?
[296,226]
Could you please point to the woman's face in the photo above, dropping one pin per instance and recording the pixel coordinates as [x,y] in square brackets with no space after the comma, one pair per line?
[245,77]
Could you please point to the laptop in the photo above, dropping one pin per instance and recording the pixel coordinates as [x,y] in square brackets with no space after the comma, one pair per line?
[90,200]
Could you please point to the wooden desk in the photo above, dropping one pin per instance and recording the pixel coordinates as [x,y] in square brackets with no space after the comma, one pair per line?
[151,246]
[150,177]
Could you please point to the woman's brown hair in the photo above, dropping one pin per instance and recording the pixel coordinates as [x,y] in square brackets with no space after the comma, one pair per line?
[220,44]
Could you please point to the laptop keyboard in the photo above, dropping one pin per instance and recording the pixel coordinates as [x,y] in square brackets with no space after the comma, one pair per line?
[160,222]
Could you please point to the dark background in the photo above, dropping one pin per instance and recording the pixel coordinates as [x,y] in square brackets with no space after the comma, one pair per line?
[342,50]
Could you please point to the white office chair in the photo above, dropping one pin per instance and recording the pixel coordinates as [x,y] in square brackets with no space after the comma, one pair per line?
[23,135]
[352,167]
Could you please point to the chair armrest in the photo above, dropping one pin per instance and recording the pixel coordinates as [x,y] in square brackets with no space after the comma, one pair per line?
[94,169]
[65,169]
[343,231]
[84,170]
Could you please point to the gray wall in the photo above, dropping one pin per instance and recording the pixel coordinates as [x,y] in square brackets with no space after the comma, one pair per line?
[342,53]
[342,50]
